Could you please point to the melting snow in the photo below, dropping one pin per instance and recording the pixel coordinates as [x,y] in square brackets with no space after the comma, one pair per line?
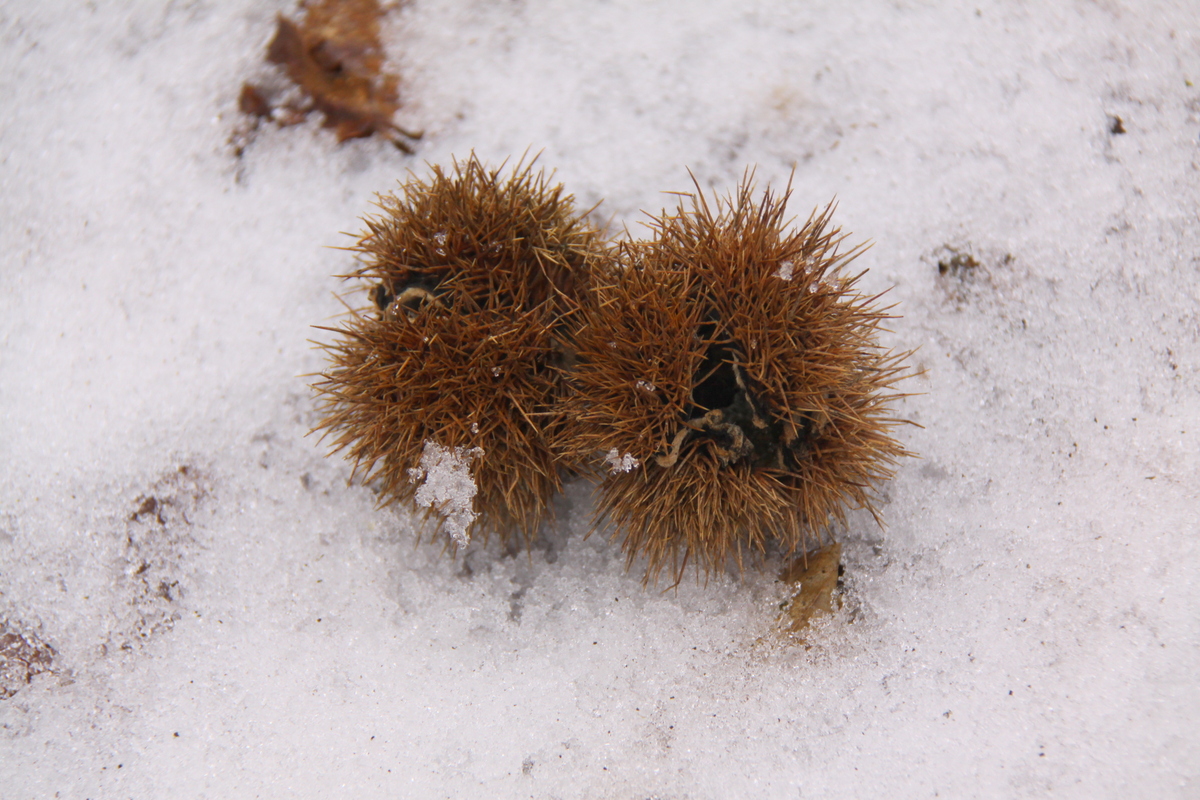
[447,487]
[620,463]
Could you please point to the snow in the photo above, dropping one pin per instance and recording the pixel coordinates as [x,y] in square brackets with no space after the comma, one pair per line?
[447,487]
[1024,626]
[618,462]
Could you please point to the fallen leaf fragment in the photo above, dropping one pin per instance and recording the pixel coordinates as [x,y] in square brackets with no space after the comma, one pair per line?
[22,655]
[817,575]
[252,102]
[335,57]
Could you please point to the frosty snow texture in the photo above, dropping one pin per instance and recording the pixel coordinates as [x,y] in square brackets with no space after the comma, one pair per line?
[447,487]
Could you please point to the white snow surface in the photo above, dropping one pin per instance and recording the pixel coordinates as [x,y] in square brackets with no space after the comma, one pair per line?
[1025,626]
[445,485]
[620,463]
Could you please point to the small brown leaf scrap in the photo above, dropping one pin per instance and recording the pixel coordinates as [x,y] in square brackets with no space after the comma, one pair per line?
[334,56]
[22,655]
[817,576]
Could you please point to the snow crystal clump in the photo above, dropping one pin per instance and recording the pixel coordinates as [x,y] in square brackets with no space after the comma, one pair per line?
[620,463]
[646,386]
[785,271]
[447,486]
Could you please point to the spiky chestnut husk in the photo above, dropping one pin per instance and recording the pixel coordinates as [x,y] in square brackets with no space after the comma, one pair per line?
[735,363]
[474,280]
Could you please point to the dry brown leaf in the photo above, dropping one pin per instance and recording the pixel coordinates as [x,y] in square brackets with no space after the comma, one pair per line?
[335,57]
[252,102]
[817,576]
[22,655]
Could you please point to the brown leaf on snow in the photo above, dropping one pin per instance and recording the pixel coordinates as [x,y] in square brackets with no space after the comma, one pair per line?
[817,576]
[22,655]
[336,59]
[252,102]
